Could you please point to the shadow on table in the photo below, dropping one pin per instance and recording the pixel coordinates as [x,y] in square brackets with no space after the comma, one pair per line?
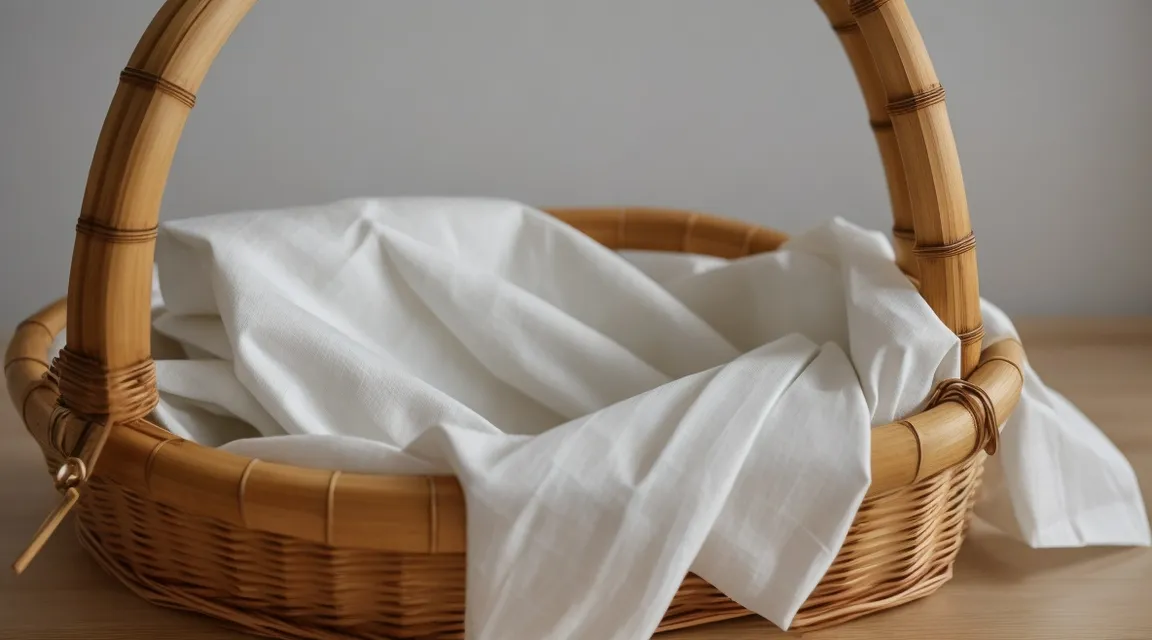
[988,552]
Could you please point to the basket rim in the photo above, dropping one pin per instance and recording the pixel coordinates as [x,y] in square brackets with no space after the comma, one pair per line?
[411,514]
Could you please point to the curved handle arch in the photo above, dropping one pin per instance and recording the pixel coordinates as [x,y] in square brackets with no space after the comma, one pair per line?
[110,282]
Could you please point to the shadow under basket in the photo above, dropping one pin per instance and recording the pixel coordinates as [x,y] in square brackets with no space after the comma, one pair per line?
[303,553]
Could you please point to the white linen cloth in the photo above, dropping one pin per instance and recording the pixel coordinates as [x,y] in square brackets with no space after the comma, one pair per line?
[615,420]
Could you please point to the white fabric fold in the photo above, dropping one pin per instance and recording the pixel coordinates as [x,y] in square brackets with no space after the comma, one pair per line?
[1058,481]
[615,420]
[591,501]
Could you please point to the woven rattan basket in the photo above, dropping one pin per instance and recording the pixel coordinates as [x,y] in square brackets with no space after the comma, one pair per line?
[305,553]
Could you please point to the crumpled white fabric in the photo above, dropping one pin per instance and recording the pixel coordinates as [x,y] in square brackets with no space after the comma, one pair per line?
[616,421]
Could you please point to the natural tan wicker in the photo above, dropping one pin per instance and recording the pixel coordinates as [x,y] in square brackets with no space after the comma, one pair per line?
[305,553]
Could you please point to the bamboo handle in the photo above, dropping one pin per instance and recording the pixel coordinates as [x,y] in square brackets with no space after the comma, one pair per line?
[844,24]
[110,284]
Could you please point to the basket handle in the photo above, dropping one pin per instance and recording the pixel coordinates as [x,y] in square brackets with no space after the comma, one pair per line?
[110,283]
[845,26]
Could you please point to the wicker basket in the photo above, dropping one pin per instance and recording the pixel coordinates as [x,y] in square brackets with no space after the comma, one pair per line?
[305,553]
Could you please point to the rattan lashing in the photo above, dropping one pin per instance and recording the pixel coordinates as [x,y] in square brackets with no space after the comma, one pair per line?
[308,553]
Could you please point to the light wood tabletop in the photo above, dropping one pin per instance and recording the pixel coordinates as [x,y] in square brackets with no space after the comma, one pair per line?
[1002,589]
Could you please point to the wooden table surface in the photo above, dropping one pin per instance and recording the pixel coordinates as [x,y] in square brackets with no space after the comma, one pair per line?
[1002,589]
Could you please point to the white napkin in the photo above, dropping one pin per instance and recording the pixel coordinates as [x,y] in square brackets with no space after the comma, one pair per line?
[1057,481]
[599,413]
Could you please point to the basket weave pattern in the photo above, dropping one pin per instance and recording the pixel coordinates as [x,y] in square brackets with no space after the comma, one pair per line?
[307,553]
[188,562]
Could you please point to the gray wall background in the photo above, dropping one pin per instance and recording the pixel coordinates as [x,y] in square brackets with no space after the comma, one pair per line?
[744,107]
